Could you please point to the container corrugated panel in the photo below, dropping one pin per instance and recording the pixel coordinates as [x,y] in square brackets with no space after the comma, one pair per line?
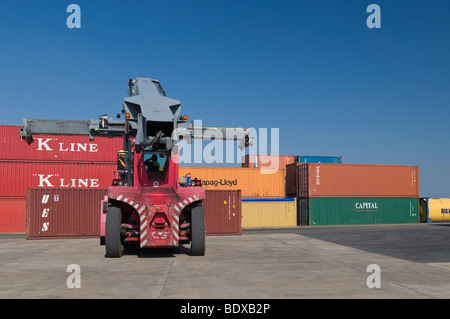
[270,213]
[268,161]
[357,180]
[63,213]
[13,215]
[18,176]
[72,148]
[360,210]
[319,159]
[253,182]
[223,212]
[435,210]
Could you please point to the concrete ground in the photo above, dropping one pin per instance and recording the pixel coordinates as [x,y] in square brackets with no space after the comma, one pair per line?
[316,262]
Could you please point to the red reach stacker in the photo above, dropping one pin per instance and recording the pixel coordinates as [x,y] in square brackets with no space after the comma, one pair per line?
[148,203]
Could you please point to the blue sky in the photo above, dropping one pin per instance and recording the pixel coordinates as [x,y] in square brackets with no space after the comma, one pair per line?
[313,69]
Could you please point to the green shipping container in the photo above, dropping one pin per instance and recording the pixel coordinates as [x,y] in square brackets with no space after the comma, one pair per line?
[317,211]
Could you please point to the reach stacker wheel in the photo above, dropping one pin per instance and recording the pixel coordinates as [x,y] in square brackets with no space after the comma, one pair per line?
[113,241]
[198,231]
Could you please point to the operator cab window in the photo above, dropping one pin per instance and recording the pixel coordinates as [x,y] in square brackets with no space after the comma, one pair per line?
[155,162]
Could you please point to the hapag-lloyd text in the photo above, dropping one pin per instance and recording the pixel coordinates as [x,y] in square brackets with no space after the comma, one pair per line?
[220,182]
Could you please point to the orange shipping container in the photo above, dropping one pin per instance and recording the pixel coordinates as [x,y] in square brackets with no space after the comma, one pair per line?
[352,180]
[267,161]
[253,182]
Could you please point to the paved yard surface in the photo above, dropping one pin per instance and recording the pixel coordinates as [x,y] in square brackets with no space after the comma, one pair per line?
[318,262]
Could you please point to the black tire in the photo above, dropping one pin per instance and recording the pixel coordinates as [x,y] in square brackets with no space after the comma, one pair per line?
[113,241]
[197,231]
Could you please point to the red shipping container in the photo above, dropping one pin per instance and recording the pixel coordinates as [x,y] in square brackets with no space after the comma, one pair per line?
[352,180]
[18,176]
[12,215]
[63,213]
[223,212]
[267,161]
[73,148]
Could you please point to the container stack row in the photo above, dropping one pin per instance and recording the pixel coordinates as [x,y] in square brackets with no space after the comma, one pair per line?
[266,191]
[262,190]
[351,194]
[75,213]
[50,161]
[258,212]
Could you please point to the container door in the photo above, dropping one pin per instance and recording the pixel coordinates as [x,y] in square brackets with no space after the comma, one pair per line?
[223,212]
[303,212]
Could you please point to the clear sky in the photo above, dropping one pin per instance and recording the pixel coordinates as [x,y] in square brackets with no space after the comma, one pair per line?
[313,69]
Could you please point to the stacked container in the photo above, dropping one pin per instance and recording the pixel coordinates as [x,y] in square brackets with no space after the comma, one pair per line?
[263,212]
[347,194]
[50,162]
[269,212]
[265,184]
[318,159]
[253,182]
[275,162]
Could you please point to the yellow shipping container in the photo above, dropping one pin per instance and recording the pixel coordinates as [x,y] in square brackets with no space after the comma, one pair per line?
[435,210]
[269,213]
[253,182]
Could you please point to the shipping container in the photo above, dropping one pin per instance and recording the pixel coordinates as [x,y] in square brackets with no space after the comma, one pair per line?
[63,213]
[351,180]
[267,161]
[223,212]
[18,176]
[253,182]
[13,215]
[72,148]
[434,210]
[269,213]
[319,159]
[319,211]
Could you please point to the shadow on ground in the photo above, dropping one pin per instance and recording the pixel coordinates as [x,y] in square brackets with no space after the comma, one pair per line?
[424,243]
[132,249]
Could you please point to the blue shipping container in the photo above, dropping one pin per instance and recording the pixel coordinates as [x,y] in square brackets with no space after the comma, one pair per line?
[319,159]
[288,199]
